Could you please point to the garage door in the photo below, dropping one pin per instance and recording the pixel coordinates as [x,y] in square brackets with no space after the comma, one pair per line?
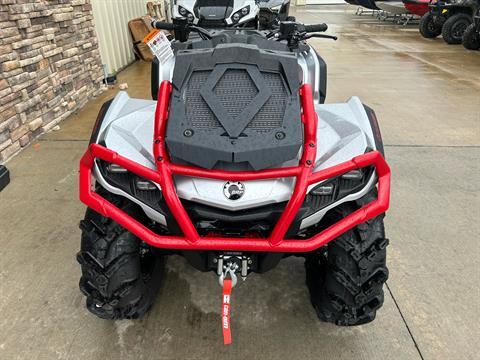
[111,24]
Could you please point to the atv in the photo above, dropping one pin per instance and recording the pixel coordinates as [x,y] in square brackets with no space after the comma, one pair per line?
[460,17]
[471,36]
[272,12]
[431,23]
[449,19]
[237,166]
[230,13]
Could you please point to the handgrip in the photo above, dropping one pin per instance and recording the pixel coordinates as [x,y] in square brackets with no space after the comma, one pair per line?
[316,28]
[161,25]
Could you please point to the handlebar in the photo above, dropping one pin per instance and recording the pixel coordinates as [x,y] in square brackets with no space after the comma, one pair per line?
[294,33]
[291,31]
[182,27]
[316,28]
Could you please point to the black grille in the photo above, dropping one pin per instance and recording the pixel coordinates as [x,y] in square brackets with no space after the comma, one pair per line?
[198,112]
[271,114]
[235,90]
[318,202]
[212,23]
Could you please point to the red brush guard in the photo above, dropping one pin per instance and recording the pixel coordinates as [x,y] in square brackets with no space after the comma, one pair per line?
[191,240]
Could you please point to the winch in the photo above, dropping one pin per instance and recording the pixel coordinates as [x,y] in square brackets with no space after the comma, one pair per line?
[231,264]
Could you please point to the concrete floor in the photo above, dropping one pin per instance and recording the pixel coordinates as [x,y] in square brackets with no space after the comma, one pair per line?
[426,95]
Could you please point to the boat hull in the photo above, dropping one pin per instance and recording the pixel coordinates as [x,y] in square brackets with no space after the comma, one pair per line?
[369,4]
[417,7]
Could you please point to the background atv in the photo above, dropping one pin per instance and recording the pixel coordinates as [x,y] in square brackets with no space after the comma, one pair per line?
[230,13]
[471,36]
[460,16]
[449,18]
[272,12]
[431,23]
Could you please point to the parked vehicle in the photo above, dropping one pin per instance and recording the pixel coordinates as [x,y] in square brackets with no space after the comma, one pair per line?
[225,169]
[222,13]
[450,19]
[417,7]
[471,36]
[431,23]
[461,16]
[273,11]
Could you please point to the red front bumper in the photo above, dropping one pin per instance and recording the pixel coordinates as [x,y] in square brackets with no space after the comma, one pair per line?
[191,240]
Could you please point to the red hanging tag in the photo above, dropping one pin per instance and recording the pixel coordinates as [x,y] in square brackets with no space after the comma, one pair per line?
[227,292]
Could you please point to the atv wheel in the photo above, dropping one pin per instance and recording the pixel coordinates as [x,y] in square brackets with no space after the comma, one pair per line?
[429,28]
[454,28]
[345,282]
[120,274]
[471,38]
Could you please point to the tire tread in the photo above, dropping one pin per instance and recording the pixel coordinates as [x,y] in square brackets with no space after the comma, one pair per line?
[447,29]
[346,283]
[111,275]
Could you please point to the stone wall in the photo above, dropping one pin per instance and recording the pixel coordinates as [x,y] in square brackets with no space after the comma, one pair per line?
[49,66]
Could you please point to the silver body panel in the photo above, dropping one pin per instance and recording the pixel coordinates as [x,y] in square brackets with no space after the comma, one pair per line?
[343,132]
[310,71]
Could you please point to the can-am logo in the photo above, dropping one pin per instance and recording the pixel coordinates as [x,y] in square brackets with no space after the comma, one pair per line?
[233,190]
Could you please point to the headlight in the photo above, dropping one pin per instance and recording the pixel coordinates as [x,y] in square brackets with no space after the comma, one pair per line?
[334,189]
[323,189]
[356,174]
[145,185]
[185,13]
[141,189]
[182,11]
[276,8]
[240,13]
[116,169]
[326,193]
